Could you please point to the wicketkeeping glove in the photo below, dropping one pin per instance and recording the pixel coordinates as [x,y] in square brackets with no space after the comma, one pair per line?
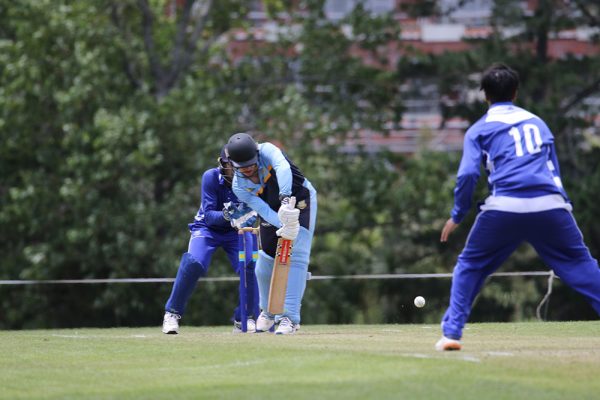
[233,211]
[245,220]
[288,213]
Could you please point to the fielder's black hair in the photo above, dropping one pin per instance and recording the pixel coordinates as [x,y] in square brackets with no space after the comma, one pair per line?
[500,83]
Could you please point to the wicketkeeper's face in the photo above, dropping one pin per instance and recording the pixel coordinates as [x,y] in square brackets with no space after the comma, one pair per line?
[227,170]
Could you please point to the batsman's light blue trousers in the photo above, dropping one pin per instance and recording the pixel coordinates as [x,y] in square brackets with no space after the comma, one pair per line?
[298,269]
[496,234]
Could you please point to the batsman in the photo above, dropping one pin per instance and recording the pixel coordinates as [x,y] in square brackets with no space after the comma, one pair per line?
[286,202]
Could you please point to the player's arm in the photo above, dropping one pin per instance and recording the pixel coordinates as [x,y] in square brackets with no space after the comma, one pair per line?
[213,211]
[255,202]
[287,214]
[466,179]
[555,170]
[282,168]
[552,162]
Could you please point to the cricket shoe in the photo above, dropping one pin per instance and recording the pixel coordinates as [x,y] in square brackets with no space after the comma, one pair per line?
[171,323]
[447,344]
[250,326]
[264,322]
[286,327]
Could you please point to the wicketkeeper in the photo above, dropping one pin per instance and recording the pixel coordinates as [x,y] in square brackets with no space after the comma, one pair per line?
[215,225]
[265,179]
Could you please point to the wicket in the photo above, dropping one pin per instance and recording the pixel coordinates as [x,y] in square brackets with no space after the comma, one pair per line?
[247,256]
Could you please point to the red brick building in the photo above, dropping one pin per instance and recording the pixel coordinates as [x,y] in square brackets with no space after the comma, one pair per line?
[421,124]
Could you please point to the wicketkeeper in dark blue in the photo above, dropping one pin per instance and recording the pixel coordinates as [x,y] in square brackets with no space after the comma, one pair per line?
[527,202]
[215,225]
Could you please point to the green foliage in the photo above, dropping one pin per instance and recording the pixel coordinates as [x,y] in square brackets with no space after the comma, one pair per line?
[105,131]
[97,181]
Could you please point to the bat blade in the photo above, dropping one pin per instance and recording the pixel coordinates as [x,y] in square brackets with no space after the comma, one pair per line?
[279,278]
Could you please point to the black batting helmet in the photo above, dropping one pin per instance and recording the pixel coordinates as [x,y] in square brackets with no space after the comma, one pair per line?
[242,150]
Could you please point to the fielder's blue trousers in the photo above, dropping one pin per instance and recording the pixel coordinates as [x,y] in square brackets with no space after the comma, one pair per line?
[496,234]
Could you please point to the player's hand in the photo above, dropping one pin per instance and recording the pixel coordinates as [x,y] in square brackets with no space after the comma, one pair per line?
[288,213]
[289,231]
[233,211]
[246,220]
[228,209]
[449,227]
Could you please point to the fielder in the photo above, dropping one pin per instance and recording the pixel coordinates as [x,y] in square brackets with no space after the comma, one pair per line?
[265,179]
[215,225]
[527,202]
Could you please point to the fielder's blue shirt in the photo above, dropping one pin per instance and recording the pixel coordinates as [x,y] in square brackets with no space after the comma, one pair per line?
[517,150]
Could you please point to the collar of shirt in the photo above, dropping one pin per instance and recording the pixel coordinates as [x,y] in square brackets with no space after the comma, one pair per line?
[502,103]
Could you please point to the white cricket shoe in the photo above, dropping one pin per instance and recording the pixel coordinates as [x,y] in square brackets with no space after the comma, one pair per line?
[286,327]
[250,326]
[171,323]
[447,344]
[264,322]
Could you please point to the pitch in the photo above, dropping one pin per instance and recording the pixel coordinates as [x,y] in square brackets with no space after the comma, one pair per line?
[531,360]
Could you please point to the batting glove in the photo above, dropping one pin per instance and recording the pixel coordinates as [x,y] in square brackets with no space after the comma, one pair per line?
[289,231]
[288,213]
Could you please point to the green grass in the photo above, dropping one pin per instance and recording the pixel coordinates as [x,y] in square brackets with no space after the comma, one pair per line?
[558,360]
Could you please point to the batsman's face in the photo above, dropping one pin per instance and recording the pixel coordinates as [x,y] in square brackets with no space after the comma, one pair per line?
[249,171]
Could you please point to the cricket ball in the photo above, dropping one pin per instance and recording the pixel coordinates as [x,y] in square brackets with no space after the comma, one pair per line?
[419,301]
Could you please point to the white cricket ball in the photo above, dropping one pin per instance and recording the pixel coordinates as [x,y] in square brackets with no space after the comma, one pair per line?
[419,301]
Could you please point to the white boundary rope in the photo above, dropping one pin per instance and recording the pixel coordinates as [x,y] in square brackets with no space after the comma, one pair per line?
[235,278]
[309,276]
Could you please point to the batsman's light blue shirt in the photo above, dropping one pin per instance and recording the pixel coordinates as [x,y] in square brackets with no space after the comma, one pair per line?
[270,158]
[517,150]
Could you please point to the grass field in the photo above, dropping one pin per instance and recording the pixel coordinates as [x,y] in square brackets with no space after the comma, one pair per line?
[552,360]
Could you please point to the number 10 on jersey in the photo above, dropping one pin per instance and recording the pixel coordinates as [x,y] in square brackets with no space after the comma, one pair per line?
[533,139]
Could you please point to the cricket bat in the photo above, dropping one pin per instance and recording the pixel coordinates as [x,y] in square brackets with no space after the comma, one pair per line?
[279,278]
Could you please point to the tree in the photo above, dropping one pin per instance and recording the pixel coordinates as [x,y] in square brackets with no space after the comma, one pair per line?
[95,168]
[110,111]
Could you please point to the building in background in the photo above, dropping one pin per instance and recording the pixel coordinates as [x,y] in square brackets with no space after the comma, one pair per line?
[454,23]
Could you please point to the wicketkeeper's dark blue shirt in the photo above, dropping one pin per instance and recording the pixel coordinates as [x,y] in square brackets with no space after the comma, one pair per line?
[214,193]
